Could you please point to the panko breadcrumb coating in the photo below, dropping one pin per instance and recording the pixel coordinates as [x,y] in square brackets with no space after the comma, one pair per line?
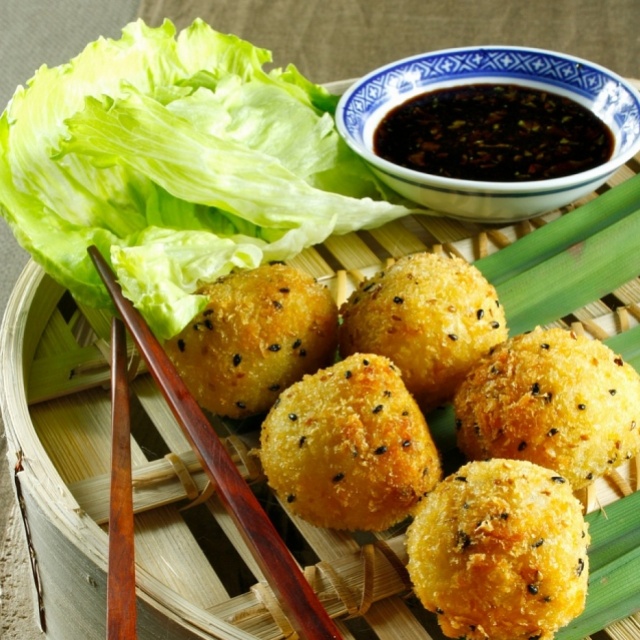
[348,448]
[499,551]
[564,401]
[262,330]
[434,316]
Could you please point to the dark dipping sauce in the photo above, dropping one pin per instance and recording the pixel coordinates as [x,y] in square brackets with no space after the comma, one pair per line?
[493,132]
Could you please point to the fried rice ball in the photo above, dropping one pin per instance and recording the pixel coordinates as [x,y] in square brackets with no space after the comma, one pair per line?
[564,401]
[499,550]
[348,448]
[262,330]
[434,316]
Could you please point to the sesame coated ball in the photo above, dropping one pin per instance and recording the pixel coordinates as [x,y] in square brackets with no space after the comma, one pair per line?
[498,551]
[433,315]
[348,448]
[262,330]
[562,400]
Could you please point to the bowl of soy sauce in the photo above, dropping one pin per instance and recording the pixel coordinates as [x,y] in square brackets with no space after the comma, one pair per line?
[493,133]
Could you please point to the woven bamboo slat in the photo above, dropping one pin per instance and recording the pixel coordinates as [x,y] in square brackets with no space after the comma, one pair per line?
[195,578]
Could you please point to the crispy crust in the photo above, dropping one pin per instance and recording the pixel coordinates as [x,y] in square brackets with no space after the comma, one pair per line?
[261,331]
[434,316]
[348,448]
[563,401]
[499,550]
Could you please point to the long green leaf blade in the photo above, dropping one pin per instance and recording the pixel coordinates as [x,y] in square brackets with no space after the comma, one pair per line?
[572,228]
[569,280]
[614,559]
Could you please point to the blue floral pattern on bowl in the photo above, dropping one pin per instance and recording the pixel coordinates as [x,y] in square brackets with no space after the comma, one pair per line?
[612,100]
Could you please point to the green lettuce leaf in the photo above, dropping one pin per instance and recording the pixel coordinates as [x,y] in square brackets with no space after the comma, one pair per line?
[180,158]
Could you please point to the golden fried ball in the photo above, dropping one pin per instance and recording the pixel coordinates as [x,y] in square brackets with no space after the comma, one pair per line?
[561,400]
[499,550]
[348,448]
[434,316]
[262,330]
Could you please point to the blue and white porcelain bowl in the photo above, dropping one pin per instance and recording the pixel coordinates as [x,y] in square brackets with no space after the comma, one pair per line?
[612,98]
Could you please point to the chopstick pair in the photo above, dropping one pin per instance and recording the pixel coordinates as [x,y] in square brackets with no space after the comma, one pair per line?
[298,600]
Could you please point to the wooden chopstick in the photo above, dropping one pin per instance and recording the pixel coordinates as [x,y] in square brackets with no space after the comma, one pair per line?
[121,579]
[298,600]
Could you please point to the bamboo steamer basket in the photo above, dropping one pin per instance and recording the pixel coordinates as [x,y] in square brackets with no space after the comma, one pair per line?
[194,576]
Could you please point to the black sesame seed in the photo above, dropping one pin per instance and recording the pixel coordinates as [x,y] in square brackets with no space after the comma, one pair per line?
[296,344]
[461,478]
[495,324]
[589,476]
[302,440]
[453,336]
[368,286]
[522,446]
[535,388]
[612,392]
[338,477]
[535,637]
[558,479]
[504,516]
[532,589]
[458,424]
[276,304]
[293,417]
[545,345]
[208,324]
[439,611]
[181,345]
[406,443]
[398,300]
[582,406]
[538,543]
[381,450]
[580,567]
[291,498]
[378,408]
[386,393]
[241,405]
[480,314]
[463,540]
[284,290]
[547,599]
[207,312]
[303,353]
[347,374]
[274,387]
[274,347]
[552,431]
[237,359]
[405,413]
[619,362]
[365,362]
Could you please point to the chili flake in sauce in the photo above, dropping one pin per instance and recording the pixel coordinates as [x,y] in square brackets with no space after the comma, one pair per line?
[493,132]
